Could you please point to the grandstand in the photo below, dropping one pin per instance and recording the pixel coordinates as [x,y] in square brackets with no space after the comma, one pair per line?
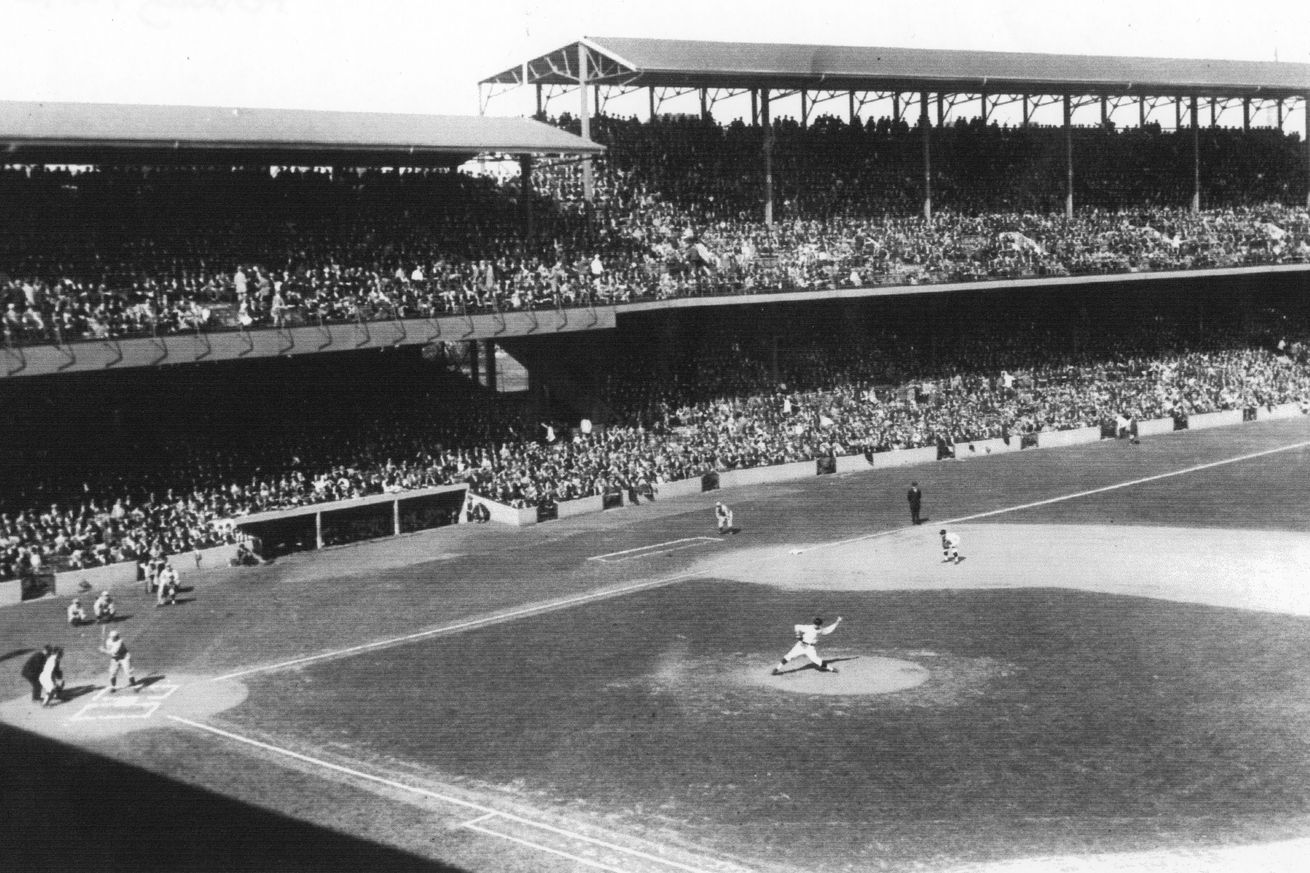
[281,328]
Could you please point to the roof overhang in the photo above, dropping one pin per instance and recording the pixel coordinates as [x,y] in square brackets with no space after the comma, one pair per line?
[32,132]
[635,62]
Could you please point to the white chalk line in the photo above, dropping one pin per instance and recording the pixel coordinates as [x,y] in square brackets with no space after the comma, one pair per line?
[540,848]
[656,547]
[484,621]
[486,811]
[1130,483]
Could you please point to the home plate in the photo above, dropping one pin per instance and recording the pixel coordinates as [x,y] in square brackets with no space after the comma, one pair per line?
[856,675]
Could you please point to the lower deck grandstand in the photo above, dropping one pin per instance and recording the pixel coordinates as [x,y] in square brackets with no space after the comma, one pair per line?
[182,453]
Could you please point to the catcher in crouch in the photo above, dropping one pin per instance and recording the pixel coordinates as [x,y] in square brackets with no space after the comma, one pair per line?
[806,636]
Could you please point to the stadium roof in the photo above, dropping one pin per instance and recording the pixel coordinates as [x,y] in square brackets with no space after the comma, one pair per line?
[687,63]
[112,133]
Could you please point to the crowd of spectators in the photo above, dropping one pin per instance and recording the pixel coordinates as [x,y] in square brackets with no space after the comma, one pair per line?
[331,435]
[110,252]
[113,252]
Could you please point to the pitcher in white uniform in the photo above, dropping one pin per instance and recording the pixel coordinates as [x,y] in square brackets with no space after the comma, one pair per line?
[806,636]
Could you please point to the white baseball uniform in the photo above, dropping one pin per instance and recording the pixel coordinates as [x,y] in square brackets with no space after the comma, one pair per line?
[950,546]
[119,659]
[806,636]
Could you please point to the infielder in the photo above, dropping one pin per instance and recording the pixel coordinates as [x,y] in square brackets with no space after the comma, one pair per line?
[806,636]
[724,517]
[103,608]
[166,583]
[119,659]
[950,546]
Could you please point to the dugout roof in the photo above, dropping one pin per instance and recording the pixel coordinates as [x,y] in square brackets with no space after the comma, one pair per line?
[636,63]
[97,133]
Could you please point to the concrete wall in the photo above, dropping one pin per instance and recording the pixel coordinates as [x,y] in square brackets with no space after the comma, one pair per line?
[757,475]
[1078,436]
[983,448]
[904,457]
[11,592]
[1286,410]
[1155,427]
[1214,419]
[581,506]
[68,583]
[681,488]
[501,513]
[853,464]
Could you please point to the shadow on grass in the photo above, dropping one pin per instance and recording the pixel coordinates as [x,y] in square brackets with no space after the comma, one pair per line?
[48,785]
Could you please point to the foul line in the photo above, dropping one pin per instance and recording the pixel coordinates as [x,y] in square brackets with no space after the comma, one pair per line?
[460,626]
[687,542]
[487,812]
[540,848]
[1063,497]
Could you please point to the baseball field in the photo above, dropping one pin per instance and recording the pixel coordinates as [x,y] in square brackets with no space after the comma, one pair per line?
[1115,677]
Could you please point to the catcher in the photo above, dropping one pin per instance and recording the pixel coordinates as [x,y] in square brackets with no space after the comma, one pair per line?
[806,636]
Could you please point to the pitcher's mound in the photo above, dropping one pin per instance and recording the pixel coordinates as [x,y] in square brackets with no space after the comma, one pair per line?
[869,675]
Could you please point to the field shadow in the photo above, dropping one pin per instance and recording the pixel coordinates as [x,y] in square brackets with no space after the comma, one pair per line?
[16,653]
[49,784]
[787,671]
[73,692]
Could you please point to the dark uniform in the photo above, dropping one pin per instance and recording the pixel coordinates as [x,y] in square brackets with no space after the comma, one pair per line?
[32,671]
[915,497]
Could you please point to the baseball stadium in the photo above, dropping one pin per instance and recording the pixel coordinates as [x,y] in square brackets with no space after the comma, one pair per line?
[469,492]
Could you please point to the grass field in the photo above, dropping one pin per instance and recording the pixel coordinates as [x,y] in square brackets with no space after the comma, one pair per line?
[1117,676]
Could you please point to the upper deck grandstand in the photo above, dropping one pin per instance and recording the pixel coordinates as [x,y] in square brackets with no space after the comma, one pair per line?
[681,207]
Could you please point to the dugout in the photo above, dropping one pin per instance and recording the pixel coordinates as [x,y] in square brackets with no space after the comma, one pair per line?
[320,525]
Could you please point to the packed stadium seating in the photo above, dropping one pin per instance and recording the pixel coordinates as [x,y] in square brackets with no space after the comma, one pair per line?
[314,430]
[180,454]
[132,252]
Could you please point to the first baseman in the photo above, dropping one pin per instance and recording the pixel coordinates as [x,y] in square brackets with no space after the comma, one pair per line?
[806,636]
[950,547]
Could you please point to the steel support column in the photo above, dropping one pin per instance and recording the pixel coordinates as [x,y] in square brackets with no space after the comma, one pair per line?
[650,97]
[1305,102]
[1246,113]
[704,103]
[805,109]
[540,106]
[1141,112]
[755,106]
[926,130]
[491,363]
[1196,156]
[941,111]
[1068,156]
[588,188]
[1027,111]
[850,97]
[768,156]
